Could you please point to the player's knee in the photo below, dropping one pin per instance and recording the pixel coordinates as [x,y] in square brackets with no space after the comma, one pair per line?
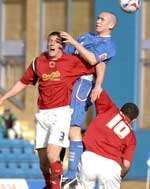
[75,133]
[53,153]
[53,156]
[56,170]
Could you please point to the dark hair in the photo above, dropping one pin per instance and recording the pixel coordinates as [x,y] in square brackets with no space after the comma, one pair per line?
[130,110]
[56,33]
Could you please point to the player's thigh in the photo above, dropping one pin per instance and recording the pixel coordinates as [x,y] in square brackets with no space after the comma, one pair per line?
[109,173]
[82,89]
[81,184]
[87,171]
[41,131]
[59,133]
[111,185]
[80,101]
[52,127]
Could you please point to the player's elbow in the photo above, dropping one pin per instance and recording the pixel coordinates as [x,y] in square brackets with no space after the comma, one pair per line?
[92,61]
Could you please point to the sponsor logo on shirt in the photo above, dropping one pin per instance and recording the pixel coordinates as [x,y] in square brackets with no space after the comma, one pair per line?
[54,76]
[103,57]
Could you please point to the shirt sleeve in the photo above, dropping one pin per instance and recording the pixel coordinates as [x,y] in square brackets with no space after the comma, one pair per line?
[29,77]
[130,148]
[103,103]
[70,49]
[103,52]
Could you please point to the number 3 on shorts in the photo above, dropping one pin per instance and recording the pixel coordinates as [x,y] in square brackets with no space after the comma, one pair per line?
[62,135]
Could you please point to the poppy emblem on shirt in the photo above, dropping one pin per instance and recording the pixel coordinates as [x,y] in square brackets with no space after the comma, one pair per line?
[52,64]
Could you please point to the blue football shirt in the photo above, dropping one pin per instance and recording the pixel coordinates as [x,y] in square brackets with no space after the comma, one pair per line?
[102,47]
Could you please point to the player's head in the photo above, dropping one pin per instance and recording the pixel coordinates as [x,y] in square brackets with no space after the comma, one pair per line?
[130,110]
[105,23]
[55,45]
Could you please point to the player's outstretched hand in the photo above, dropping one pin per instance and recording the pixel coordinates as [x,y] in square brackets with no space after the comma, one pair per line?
[67,38]
[96,91]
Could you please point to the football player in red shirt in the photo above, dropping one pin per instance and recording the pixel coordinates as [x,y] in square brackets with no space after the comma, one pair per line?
[55,72]
[109,145]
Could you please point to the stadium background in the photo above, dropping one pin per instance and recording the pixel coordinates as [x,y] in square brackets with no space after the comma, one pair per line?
[24,25]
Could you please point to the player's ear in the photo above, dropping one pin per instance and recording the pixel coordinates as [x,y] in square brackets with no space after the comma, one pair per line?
[111,26]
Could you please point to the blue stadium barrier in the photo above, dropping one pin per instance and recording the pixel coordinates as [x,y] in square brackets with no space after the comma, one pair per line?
[139,167]
[18,160]
[14,143]
[35,184]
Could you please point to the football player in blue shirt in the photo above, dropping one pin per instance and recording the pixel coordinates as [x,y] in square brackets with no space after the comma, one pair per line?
[96,48]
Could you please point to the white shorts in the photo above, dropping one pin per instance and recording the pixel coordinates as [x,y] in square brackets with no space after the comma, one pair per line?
[94,169]
[52,127]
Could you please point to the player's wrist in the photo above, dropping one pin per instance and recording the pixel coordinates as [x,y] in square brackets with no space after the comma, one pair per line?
[75,43]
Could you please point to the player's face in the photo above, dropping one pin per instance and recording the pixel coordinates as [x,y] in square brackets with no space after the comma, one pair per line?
[103,24]
[55,48]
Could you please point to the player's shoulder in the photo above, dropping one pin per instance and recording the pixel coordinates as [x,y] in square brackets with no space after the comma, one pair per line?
[112,46]
[131,138]
[109,44]
[41,57]
[38,59]
[66,55]
[43,54]
[69,57]
[74,59]
[104,94]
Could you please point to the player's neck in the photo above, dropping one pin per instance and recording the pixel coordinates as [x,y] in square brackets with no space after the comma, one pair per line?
[56,57]
[105,34]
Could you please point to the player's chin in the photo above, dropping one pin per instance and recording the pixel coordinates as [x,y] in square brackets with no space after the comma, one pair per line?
[98,29]
[52,54]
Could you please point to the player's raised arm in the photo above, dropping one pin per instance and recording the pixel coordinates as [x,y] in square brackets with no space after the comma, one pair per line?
[85,53]
[19,86]
[100,72]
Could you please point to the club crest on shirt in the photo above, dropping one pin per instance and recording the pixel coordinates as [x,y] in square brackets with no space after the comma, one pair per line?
[103,57]
[52,64]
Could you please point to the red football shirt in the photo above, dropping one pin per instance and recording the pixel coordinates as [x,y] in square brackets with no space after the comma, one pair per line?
[110,134]
[55,78]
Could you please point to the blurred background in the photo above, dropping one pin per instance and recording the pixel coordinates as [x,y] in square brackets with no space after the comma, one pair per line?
[24,26]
